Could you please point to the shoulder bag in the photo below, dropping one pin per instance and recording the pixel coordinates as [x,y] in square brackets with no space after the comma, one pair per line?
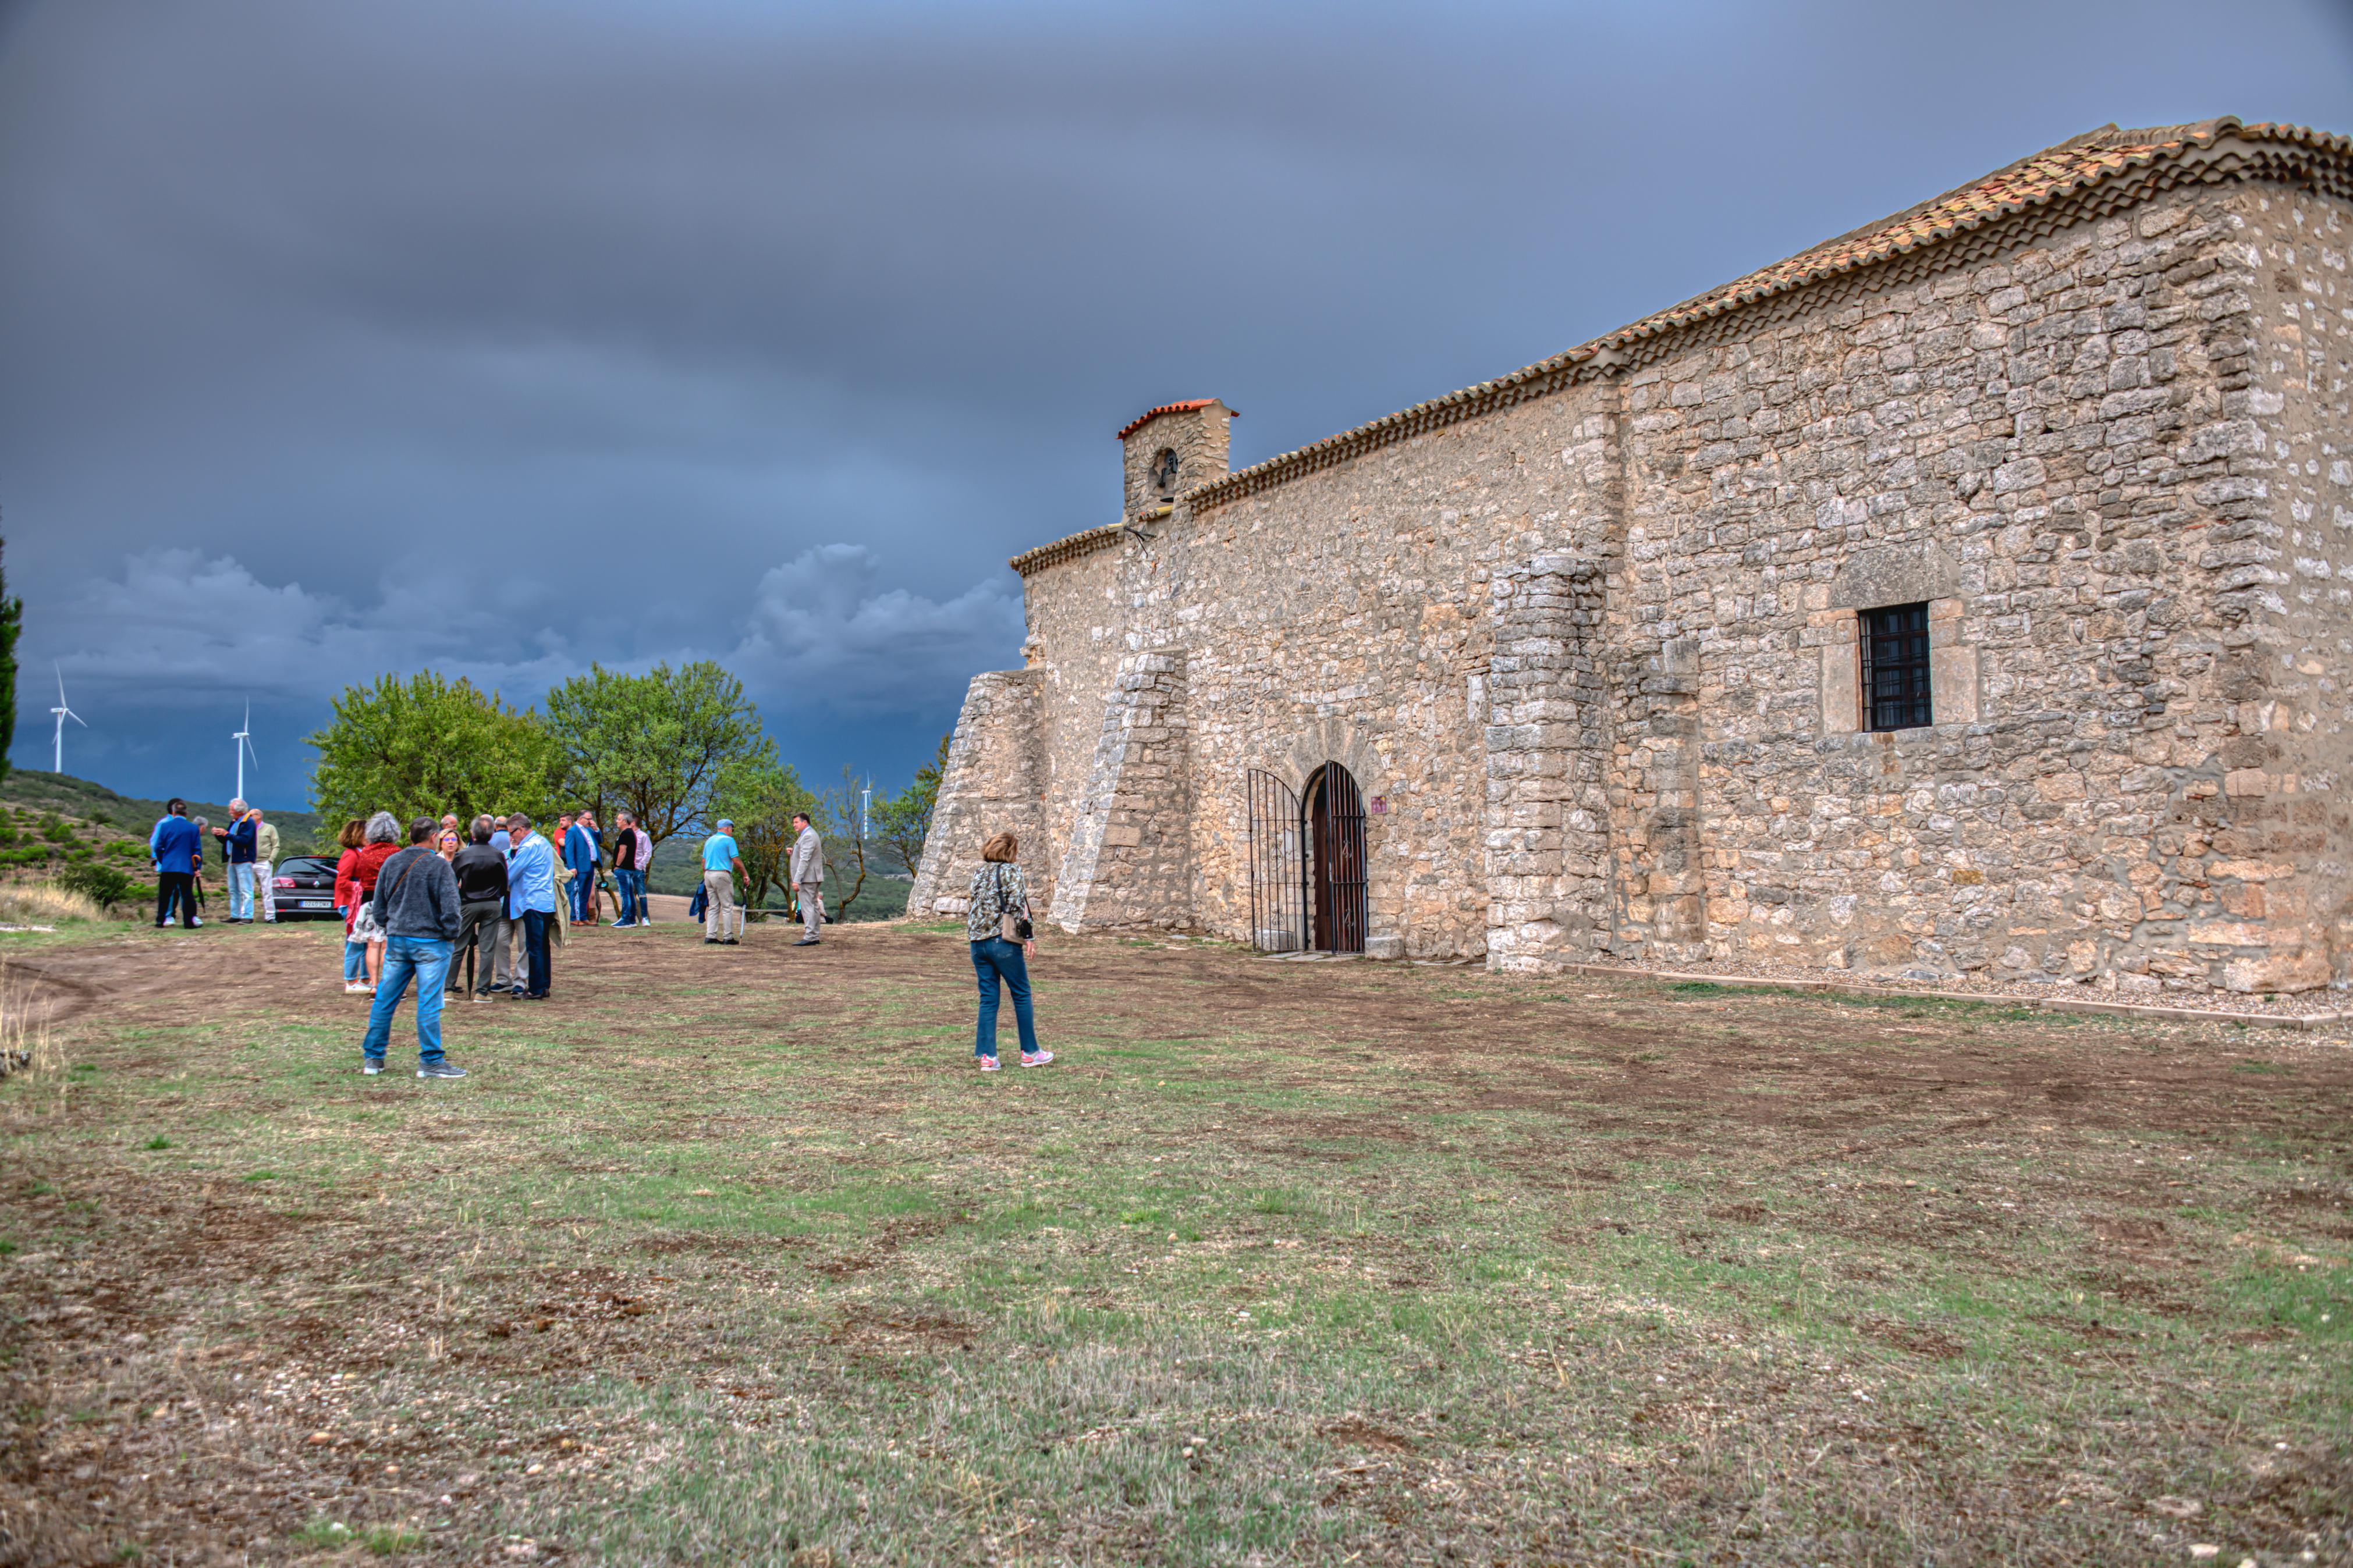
[366,926]
[1010,926]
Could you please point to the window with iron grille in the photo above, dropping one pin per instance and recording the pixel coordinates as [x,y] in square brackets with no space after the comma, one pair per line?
[1895,667]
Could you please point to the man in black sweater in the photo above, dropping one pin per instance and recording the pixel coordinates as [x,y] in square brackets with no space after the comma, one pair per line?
[417,903]
[481,873]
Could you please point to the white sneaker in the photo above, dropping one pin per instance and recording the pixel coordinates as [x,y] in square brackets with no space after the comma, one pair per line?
[353,988]
[195,921]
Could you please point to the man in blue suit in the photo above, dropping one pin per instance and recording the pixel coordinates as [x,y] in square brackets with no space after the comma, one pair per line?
[175,844]
[581,852]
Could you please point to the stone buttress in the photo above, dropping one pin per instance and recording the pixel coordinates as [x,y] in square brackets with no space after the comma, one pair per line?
[990,785]
[1129,862]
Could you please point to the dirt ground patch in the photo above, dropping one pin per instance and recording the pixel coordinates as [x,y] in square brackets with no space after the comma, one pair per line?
[728,1254]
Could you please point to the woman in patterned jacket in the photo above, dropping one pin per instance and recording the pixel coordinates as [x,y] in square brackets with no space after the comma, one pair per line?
[999,894]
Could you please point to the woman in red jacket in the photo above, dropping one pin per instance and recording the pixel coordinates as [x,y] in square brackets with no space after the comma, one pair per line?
[347,904]
[382,835]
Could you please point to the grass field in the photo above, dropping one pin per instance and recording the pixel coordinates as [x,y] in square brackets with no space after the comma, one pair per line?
[728,1256]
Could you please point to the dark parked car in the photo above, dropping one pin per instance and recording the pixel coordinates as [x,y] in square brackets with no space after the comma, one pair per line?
[305,889]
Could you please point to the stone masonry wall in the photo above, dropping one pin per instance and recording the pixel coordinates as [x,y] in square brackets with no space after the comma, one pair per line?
[2053,448]
[1351,618]
[1077,637]
[2277,868]
[1595,652]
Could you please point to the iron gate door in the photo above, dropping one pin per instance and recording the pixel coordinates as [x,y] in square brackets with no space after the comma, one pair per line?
[1278,883]
[1335,830]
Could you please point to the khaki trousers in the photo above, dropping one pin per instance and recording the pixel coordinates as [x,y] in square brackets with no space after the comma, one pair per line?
[812,907]
[718,905]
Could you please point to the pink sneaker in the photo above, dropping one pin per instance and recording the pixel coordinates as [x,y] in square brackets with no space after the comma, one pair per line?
[1036,1059]
[989,1064]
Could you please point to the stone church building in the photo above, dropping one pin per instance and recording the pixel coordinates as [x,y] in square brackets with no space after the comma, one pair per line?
[1971,593]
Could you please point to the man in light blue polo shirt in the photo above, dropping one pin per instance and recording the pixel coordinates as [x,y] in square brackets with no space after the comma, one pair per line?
[531,902]
[720,863]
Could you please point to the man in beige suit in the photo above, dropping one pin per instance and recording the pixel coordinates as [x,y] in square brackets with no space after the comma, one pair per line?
[265,865]
[808,876]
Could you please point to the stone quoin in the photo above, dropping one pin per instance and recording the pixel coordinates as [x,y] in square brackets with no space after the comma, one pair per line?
[1971,593]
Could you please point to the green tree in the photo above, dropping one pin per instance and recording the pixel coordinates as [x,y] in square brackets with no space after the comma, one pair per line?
[903,821]
[759,795]
[655,745]
[836,817]
[427,745]
[12,621]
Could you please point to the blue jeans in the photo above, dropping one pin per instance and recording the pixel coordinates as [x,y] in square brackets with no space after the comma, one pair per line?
[354,960]
[535,979]
[633,894]
[992,960]
[427,960]
[240,889]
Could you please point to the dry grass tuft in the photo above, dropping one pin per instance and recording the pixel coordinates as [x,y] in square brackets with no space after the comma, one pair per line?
[45,904]
[24,1043]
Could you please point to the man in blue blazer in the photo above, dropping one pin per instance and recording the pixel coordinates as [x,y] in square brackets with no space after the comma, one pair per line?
[175,844]
[581,852]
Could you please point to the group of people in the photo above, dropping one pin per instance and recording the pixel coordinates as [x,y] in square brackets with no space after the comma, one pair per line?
[621,873]
[584,862]
[495,897]
[413,912]
[722,863]
[249,845]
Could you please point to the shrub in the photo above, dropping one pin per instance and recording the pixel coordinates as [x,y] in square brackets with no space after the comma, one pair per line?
[56,830]
[105,886]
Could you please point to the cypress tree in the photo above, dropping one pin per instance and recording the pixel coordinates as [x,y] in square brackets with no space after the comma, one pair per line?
[12,621]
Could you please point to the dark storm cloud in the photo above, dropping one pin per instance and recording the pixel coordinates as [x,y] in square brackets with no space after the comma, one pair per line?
[504,336]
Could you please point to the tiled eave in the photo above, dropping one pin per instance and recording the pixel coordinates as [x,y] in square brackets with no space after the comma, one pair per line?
[1068,549]
[2089,177]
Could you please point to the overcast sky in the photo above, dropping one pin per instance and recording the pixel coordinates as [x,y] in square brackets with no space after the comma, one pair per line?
[499,337]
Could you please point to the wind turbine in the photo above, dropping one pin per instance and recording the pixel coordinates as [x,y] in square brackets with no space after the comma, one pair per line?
[244,739]
[57,762]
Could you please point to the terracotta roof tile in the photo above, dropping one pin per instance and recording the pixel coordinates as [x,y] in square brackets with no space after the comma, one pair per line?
[1149,414]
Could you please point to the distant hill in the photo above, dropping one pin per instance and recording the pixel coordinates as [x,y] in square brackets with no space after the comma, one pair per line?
[71,796]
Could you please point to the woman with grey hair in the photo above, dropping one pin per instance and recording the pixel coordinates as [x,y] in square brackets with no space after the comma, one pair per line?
[383,836]
[196,869]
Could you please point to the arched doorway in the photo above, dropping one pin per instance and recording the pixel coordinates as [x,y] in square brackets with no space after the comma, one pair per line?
[1332,819]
